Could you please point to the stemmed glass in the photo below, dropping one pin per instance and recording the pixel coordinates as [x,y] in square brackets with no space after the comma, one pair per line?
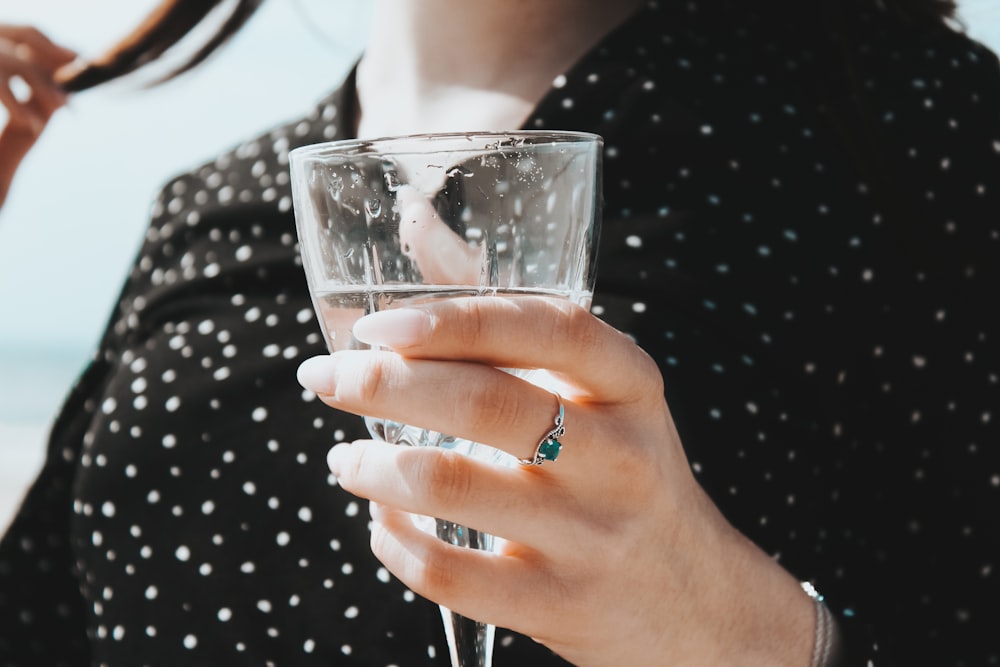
[406,220]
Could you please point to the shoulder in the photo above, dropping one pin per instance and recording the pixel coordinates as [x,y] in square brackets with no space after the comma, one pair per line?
[253,173]
[229,216]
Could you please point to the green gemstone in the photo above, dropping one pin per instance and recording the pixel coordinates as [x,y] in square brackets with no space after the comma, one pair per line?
[549,449]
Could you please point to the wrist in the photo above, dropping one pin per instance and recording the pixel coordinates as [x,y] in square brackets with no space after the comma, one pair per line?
[759,614]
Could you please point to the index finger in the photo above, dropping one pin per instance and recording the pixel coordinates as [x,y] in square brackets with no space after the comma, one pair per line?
[520,332]
[44,51]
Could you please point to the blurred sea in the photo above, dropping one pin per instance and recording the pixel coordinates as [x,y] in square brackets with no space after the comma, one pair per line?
[35,379]
[32,382]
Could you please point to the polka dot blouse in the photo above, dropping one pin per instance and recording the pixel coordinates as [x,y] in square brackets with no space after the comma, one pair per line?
[802,227]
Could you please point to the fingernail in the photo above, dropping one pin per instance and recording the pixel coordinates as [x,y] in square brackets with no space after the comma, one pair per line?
[335,458]
[316,374]
[404,327]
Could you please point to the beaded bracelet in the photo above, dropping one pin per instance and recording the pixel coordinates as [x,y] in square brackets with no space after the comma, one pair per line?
[826,646]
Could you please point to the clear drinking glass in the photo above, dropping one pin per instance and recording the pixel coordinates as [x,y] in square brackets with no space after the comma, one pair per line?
[399,221]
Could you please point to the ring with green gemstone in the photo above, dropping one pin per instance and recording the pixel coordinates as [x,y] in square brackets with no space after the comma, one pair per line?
[549,446]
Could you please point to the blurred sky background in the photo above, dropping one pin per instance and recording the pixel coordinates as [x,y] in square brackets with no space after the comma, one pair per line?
[79,206]
[80,203]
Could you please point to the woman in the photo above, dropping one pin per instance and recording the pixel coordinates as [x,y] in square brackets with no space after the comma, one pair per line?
[799,218]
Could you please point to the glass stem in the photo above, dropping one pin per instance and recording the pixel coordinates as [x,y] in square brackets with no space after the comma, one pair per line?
[469,642]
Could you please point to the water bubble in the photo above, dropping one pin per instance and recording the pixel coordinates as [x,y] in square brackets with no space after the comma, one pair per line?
[392,182]
[373,207]
[455,172]
[335,186]
[527,166]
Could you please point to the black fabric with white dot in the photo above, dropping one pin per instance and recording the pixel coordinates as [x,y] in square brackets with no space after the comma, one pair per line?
[801,228]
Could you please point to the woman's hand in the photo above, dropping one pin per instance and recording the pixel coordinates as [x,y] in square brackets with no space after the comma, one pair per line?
[28,91]
[613,555]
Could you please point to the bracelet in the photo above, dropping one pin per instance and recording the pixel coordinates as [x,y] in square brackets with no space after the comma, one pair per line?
[826,646]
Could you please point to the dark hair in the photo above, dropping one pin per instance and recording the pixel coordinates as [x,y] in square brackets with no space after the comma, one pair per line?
[163,28]
[935,10]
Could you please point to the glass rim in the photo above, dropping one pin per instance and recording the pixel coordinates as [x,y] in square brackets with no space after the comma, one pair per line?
[401,144]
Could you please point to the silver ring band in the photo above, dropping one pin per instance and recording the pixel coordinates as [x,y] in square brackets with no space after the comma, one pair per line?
[548,447]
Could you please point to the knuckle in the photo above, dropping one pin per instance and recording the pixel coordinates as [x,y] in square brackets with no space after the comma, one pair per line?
[380,543]
[27,34]
[12,31]
[635,475]
[470,328]
[636,463]
[567,321]
[352,468]
[649,381]
[564,589]
[370,378]
[425,568]
[494,407]
[437,577]
[443,477]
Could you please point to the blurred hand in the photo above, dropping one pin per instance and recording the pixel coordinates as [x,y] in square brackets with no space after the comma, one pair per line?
[28,91]
[443,257]
[613,554]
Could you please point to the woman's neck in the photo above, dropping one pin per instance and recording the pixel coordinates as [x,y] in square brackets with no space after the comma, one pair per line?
[454,65]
